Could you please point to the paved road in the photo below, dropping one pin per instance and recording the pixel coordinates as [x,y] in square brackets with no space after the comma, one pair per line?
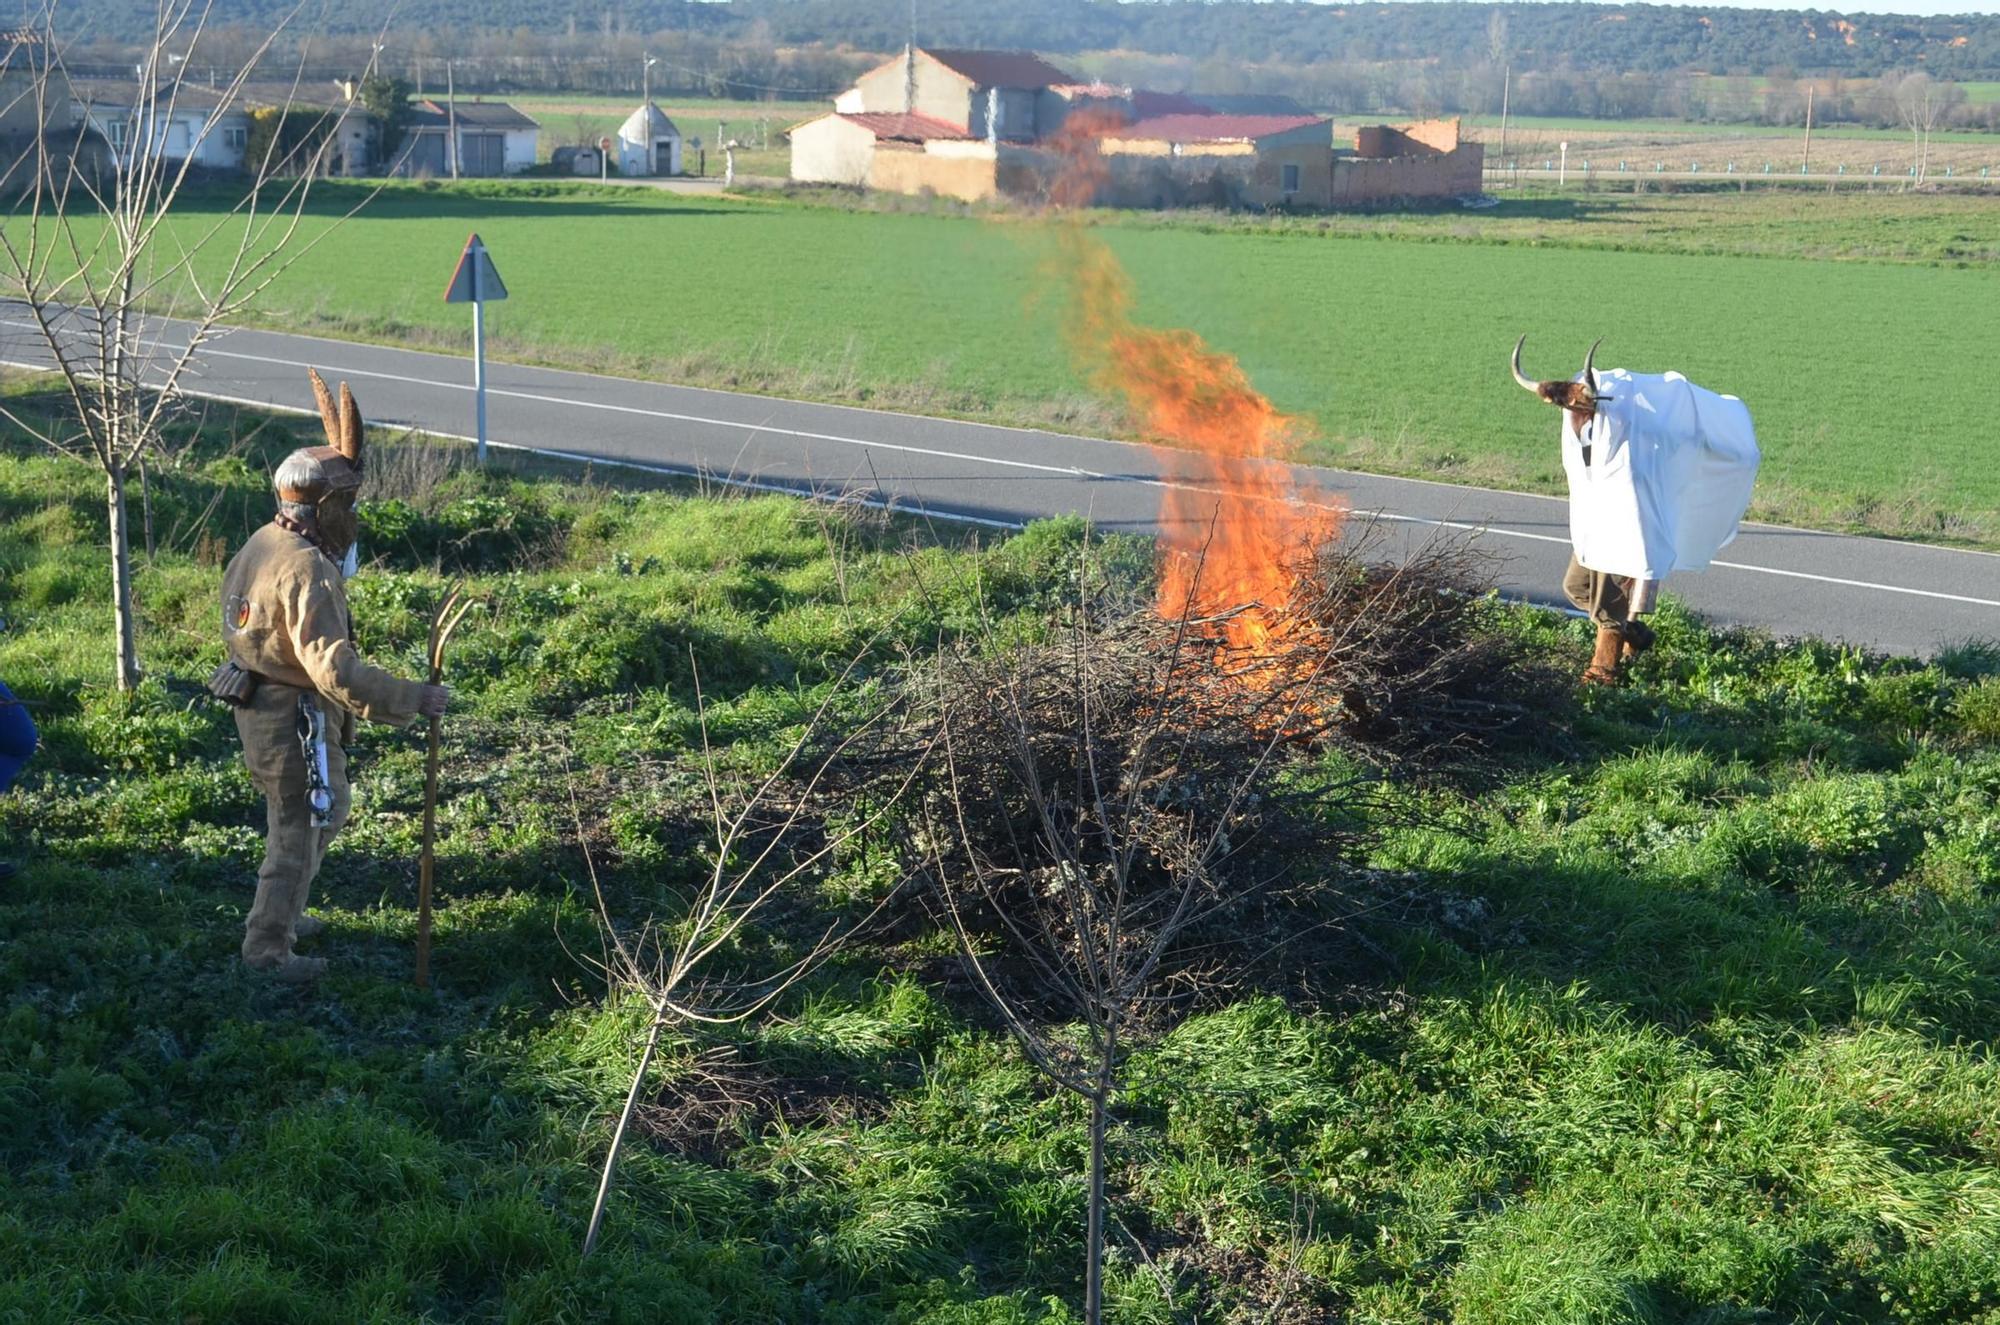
[1897,597]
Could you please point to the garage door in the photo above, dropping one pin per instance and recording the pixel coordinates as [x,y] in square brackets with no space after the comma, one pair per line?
[485,154]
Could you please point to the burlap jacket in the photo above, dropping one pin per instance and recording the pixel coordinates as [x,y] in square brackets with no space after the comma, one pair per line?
[285,617]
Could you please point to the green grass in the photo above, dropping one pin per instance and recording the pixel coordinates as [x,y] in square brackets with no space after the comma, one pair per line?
[1394,350]
[1693,1024]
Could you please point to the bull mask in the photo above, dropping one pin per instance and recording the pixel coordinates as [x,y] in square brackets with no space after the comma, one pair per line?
[1580,397]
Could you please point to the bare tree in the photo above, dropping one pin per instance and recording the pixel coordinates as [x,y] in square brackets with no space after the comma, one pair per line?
[763,842]
[1922,103]
[122,277]
[1105,797]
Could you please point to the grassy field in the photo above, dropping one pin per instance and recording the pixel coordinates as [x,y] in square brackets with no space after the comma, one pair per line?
[1395,351]
[1691,1023]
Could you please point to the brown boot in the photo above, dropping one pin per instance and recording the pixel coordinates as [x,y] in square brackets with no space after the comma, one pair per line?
[1603,669]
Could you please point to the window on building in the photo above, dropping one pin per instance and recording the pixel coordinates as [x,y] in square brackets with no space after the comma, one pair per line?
[1290,178]
[117,130]
[235,137]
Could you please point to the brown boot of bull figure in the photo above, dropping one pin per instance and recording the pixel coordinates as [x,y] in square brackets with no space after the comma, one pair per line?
[1603,669]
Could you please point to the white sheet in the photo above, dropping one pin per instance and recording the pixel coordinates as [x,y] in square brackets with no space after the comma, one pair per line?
[1670,474]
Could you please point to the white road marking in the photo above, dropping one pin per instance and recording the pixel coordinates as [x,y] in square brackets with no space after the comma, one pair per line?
[1064,471]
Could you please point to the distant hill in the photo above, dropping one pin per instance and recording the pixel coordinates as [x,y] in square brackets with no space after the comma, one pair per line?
[1588,37]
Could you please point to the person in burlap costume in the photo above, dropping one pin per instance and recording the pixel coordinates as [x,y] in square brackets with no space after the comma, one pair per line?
[293,674]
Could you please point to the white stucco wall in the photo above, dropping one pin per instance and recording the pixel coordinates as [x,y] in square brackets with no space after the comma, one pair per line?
[830,150]
[636,158]
[222,141]
[520,149]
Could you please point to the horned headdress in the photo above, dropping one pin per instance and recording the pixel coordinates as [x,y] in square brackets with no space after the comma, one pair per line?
[312,473]
[1578,397]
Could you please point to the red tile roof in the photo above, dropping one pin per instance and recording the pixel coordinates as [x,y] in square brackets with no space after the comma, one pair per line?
[1001,68]
[1218,128]
[914,128]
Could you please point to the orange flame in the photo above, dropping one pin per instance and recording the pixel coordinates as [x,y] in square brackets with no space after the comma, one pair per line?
[1233,520]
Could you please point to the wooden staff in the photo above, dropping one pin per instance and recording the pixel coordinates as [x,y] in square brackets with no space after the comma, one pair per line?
[445,620]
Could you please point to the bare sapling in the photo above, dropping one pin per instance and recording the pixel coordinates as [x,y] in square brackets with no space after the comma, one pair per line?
[121,273]
[767,839]
[1103,799]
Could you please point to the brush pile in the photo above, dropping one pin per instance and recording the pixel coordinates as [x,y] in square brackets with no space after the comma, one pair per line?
[1160,795]
[1399,665]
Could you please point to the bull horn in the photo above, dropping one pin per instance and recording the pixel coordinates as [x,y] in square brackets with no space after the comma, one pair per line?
[1589,366]
[1527,383]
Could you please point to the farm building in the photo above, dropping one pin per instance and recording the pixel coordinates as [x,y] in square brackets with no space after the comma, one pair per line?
[48,130]
[896,153]
[493,138]
[179,122]
[185,121]
[648,143]
[1425,160]
[963,124]
[976,124]
[1219,161]
[1000,95]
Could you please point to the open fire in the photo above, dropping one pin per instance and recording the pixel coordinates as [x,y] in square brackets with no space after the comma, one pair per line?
[1234,524]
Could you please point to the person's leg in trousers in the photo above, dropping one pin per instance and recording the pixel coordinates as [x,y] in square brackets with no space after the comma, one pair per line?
[293,847]
[1607,599]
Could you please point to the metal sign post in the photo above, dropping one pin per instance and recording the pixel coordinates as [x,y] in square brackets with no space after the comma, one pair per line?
[474,281]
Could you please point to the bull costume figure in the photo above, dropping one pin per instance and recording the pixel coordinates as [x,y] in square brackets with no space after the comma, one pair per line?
[296,681]
[1660,474]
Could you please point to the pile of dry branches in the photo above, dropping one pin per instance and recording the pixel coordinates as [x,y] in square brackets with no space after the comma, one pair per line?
[1394,663]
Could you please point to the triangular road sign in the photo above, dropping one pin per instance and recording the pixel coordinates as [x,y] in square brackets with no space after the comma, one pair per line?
[475,279]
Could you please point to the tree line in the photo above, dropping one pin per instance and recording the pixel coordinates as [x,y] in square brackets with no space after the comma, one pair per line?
[1597,61]
[1639,38]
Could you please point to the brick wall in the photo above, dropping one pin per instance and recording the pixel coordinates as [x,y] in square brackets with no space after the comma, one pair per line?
[1368,181]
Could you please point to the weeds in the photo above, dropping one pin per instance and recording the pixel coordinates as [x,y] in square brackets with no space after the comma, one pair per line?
[1688,1016]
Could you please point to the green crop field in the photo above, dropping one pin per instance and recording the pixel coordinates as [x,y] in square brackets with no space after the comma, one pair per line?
[1682,1012]
[1394,351]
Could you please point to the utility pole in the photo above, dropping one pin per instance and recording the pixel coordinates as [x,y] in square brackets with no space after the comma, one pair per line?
[1506,93]
[1805,167]
[646,80]
[451,119]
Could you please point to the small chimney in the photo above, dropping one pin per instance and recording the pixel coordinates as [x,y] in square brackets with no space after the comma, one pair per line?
[909,78]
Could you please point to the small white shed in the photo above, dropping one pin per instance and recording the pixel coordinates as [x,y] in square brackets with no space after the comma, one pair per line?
[648,143]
